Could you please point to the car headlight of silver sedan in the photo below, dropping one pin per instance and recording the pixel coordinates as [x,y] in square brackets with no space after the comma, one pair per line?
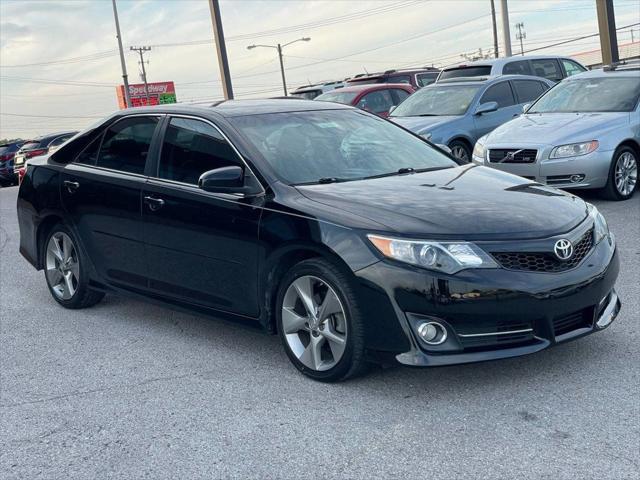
[479,150]
[574,149]
[600,226]
[446,257]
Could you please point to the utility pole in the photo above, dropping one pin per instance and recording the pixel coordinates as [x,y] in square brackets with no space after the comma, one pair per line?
[279,48]
[141,51]
[125,77]
[495,29]
[223,61]
[521,35]
[607,28]
[506,35]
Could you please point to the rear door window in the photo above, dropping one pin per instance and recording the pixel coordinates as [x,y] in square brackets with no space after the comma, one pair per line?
[528,90]
[572,68]
[126,144]
[379,101]
[500,93]
[548,68]
[399,95]
[192,147]
[424,79]
[521,67]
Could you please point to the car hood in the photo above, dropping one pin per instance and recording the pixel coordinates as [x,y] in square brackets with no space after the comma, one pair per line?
[468,202]
[556,128]
[422,125]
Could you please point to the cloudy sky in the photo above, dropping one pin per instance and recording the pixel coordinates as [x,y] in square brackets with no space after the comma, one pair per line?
[59,63]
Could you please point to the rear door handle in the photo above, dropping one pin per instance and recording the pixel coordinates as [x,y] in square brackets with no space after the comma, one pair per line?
[154,203]
[71,186]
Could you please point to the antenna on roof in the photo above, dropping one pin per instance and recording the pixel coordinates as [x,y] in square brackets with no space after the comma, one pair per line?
[365,70]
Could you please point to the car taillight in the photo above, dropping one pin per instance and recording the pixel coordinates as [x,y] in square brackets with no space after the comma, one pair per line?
[21,173]
[35,153]
[4,158]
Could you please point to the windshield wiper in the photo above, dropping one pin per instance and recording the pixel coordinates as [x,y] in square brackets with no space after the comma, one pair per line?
[405,170]
[324,181]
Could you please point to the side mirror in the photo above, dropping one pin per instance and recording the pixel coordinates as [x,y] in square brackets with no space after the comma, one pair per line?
[392,108]
[525,107]
[229,180]
[487,108]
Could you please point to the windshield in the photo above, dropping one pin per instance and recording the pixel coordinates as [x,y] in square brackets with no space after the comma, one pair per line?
[12,147]
[590,95]
[480,71]
[30,145]
[336,145]
[437,100]
[338,97]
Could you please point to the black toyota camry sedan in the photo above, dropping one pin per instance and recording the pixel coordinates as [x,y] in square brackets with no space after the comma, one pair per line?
[351,238]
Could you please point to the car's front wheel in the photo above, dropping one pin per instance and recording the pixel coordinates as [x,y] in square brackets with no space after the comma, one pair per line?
[319,321]
[460,150]
[65,270]
[623,174]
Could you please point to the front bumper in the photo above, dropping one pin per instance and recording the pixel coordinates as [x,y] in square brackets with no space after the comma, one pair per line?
[493,313]
[585,171]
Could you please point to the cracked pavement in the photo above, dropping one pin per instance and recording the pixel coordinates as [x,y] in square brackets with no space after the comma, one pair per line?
[133,390]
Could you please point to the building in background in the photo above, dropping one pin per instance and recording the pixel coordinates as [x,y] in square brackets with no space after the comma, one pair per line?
[159,93]
[593,58]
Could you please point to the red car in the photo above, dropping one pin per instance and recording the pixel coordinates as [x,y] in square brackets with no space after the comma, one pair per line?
[374,98]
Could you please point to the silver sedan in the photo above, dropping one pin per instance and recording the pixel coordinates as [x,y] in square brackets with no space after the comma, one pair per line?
[583,133]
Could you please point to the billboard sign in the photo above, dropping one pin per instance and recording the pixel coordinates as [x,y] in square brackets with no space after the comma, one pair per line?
[159,94]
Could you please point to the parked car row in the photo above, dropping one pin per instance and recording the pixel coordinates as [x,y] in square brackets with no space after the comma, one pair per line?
[14,156]
[480,118]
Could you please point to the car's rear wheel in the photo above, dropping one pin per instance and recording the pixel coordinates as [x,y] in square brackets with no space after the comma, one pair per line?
[65,270]
[319,321]
[623,174]
[460,150]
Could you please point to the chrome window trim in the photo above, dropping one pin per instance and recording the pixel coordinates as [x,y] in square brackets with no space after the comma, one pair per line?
[224,136]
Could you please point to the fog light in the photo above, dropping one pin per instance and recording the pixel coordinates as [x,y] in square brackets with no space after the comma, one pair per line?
[576,178]
[432,333]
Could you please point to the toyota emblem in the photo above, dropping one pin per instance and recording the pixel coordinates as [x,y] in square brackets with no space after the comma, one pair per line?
[563,249]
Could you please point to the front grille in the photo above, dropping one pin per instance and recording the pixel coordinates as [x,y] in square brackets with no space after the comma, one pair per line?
[545,261]
[573,321]
[512,155]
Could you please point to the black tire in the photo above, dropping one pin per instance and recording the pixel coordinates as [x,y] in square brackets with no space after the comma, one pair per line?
[459,145]
[610,192]
[84,296]
[352,362]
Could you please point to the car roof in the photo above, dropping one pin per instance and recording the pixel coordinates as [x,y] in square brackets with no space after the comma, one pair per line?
[51,135]
[603,73]
[372,86]
[490,62]
[486,80]
[238,108]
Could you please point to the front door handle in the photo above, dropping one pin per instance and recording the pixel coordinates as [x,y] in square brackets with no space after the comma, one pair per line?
[71,186]
[154,203]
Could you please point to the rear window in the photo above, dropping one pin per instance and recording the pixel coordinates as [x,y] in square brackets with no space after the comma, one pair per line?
[308,95]
[479,71]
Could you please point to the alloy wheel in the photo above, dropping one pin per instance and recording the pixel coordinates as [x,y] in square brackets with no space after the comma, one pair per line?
[314,323]
[63,269]
[626,173]
[459,152]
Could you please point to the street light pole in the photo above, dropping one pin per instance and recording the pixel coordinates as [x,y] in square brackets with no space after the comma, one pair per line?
[495,29]
[125,77]
[279,48]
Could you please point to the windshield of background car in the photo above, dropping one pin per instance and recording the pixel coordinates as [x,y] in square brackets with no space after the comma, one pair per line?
[10,148]
[304,147]
[480,71]
[338,97]
[437,100]
[591,95]
[30,145]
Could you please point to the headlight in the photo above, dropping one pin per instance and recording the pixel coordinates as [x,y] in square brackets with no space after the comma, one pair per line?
[574,149]
[479,150]
[447,257]
[600,227]
[426,136]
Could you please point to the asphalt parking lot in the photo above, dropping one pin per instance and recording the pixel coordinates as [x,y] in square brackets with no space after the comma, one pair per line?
[131,390]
